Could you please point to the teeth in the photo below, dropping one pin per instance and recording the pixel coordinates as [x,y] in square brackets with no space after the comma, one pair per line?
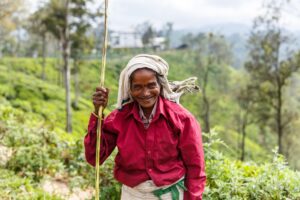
[146,98]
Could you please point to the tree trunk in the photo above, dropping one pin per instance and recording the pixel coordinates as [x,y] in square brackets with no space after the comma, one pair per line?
[76,82]
[206,115]
[279,88]
[43,75]
[67,71]
[279,119]
[262,134]
[244,125]
[68,93]
[58,64]
[17,52]
[206,105]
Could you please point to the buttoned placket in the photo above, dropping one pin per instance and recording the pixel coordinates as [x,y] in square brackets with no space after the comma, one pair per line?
[149,138]
[148,145]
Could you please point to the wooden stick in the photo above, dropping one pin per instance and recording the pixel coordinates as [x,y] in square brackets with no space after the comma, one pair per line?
[99,127]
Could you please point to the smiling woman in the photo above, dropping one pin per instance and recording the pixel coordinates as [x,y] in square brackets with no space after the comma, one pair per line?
[160,153]
[145,89]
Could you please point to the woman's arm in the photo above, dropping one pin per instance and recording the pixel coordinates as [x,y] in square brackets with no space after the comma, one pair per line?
[191,149]
[108,139]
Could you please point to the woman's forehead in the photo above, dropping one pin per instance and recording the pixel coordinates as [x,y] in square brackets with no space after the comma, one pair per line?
[142,73]
[144,69]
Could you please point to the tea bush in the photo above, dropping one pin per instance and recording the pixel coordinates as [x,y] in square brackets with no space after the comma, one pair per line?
[231,179]
[39,152]
[17,188]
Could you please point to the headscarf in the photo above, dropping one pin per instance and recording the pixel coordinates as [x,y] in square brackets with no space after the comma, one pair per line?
[170,90]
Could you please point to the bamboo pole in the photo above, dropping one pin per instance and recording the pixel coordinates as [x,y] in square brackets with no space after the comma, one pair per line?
[99,127]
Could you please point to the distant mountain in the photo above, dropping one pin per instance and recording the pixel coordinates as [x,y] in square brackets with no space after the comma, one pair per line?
[224,29]
[236,34]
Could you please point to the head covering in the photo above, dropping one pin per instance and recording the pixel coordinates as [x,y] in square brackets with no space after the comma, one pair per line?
[170,90]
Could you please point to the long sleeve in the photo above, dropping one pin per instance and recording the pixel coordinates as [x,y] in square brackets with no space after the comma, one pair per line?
[191,149]
[108,139]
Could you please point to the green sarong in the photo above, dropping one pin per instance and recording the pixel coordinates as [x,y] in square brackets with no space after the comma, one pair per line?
[173,189]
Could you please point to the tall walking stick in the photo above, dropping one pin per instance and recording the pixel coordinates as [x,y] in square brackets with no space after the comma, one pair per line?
[99,127]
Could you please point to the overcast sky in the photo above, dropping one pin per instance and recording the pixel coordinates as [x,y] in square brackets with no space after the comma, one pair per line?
[192,14]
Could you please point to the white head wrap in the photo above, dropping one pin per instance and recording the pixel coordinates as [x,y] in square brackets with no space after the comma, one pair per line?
[170,90]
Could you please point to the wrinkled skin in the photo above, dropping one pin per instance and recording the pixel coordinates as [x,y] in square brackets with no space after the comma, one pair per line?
[100,98]
[144,88]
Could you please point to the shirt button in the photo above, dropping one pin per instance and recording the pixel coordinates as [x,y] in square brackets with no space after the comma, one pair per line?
[150,170]
[149,152]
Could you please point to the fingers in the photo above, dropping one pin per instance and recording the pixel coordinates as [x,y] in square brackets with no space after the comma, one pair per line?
[100,97]
[102,89]
[97,97]
[100,94]
[100,103]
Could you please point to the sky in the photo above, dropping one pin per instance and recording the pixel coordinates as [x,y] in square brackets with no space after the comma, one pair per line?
[193,14]
[190,14]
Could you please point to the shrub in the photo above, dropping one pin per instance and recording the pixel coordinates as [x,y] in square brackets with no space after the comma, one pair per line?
[38,153]
[14,187]
[231,179]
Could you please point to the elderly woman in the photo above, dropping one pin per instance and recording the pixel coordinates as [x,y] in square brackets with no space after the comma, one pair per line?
[160,153]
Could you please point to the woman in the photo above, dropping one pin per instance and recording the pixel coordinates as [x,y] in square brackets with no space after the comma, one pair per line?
[160,153]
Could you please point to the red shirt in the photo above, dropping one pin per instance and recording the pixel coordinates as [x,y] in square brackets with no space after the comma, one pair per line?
[170,148]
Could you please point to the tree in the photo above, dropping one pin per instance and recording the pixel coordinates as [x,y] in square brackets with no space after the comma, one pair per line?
[68,21]
[147,32]
[8,7]
[80,39]
[167,32]
[38,26]
[193,41]
[9,23]
[245,98]
[213,54]
[148,36]
[57,21]
[268,69]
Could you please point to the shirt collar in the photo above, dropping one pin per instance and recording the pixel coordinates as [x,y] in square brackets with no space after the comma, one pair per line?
[142,115]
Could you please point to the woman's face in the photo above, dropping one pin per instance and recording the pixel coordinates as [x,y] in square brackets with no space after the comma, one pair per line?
[144,88]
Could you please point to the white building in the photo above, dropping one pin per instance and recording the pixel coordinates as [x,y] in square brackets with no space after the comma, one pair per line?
[159,43]
[128,39]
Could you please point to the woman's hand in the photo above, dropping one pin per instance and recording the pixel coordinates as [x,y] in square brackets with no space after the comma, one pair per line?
[100,98]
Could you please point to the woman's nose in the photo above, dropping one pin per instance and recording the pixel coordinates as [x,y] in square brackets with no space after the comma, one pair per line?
[146,92]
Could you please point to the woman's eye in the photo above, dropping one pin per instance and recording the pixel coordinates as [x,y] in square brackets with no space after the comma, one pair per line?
[152,86]
[137,87]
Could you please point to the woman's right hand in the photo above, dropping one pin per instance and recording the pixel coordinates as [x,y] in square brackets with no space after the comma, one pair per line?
[100,98]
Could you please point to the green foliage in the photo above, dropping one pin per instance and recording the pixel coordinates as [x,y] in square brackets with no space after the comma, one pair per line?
[38,152]
[270,72]
[35,151]
[231,179]
[30,67]
[14,187]
[232,138]
[40,100]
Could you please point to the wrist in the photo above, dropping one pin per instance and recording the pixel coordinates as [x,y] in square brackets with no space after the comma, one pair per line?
[96,110]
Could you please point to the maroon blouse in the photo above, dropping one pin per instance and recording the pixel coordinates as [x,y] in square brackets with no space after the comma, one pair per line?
[170,148]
